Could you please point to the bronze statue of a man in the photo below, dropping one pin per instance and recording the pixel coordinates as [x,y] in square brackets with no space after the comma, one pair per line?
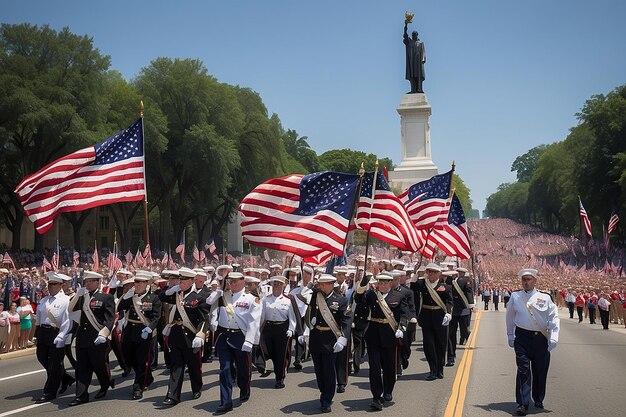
[415,59]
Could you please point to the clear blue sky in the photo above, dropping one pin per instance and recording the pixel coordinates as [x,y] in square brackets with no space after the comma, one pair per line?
[501,76]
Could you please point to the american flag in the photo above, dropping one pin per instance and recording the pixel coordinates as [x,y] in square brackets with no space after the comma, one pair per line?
[128,257]
[266,255]
[181,248]
[584,217]
[6,260]
[385,216]
[139,259]
[210,246]
[426,200]
[196,252]
[109,172]
[304,215]
[55,257]
[147,255]
[96,258]
[46,265]
[613,221]
[165,260]
[451,235]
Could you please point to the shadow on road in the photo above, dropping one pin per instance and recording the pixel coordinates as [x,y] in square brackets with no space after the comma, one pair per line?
[508,408]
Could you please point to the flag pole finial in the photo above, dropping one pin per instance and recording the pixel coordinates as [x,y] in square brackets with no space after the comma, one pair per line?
[141,109]
[361,170]
[453,166]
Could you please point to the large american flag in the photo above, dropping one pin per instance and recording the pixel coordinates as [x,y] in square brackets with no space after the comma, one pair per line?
[426,200]
[303,215]
[385,216]
[106,173]
[584,217]
[450,233]
[613,221]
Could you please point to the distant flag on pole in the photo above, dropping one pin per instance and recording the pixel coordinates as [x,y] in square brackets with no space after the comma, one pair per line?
[584,217]
[266,255]
[108,172]
[46,265]
[180,249]
[613,221]
[147,255]
[210,246]
[75,259]
[128,257]
[6,260]
[196,252]
[55,256]
[96,258]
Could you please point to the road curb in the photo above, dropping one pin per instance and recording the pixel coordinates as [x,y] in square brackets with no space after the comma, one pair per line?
[18,353]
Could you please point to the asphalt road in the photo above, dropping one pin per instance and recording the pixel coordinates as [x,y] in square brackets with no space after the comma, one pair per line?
[586,377]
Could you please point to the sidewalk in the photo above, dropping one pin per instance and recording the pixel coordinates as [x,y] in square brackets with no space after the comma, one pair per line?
[18,353]
[564,315]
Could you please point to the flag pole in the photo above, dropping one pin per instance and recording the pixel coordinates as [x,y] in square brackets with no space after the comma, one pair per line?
[580,221]
[355,203]
[145,200]
[367,238]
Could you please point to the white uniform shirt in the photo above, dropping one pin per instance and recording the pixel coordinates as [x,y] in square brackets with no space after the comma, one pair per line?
[278,309]
[306,294]
[532,311]
[247,315]
[57,305]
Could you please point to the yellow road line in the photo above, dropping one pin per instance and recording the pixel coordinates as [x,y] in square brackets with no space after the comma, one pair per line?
[457,398]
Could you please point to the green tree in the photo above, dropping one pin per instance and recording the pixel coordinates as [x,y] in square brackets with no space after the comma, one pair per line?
[52,84]
[526,164]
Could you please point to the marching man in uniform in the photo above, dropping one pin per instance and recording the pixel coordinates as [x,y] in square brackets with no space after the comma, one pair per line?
[278,321]
[238,320]
[328,327]
[53,325]
[388,319]
[434,317]
[532,329]
[92,337]
[143,312]
[185,334]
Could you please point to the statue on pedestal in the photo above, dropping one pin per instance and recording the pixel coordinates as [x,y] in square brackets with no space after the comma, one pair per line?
[415,57]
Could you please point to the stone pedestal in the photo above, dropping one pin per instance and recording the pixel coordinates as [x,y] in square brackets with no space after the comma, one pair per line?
[416,164]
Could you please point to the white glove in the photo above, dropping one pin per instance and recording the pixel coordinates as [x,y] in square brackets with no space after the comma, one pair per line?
[399,334]
[81,291]
[446,319]
[289,333]
[114,283]
[59,341]
[146,332]
[551,345]
[172,290]
[68,339]
[511,340]
[99,340]
[128,294]
[247,347]
[313,321]
[301,340]
[197,342]
[219,293]
[120,324]
[340,344]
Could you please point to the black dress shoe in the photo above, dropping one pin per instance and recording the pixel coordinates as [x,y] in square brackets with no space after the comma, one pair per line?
[265,373]
[137,395]
[326,409]
[100,394]
[279,384]
[224,408]
[431,377]
[196,395]
[126,372]
[65,383]
[112,383]
[244,397]
[405,363]
[387,397]
[297,366]
[376,404]
[440,375]
[521,410]
[77,401]
[450,362]
[341,389]
[169,401]
[538,404]
[45,398]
